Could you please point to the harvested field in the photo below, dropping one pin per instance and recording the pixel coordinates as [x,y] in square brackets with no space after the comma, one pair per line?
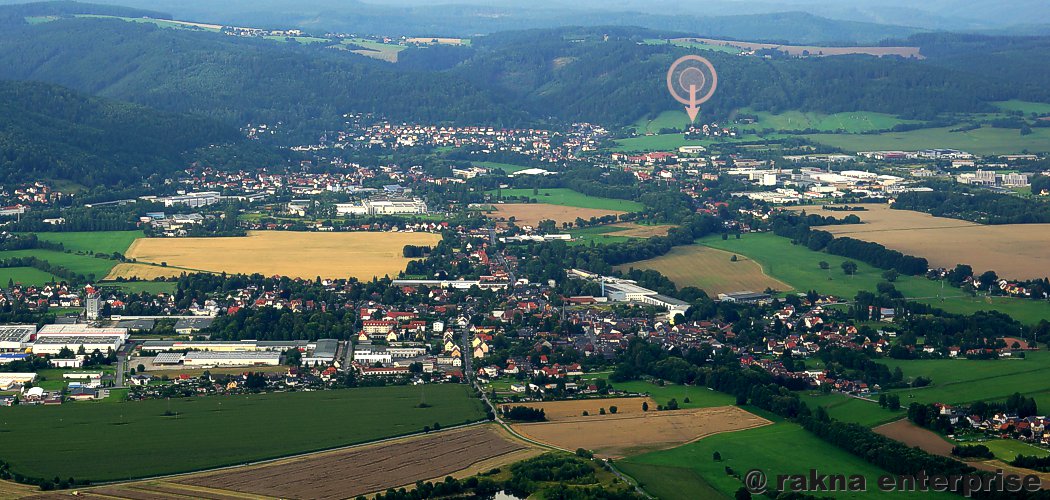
[634,230]
[626,434]
[1016,251]
[361,470]
[710,270]
[144,271]
[810,50]
[558,411]
[294,254]
[532,213]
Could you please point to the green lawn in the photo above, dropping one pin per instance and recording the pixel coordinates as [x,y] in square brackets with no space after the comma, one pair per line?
[1039,108]
[670,482]
[598,234]
[780,448]
[94,241]
[849,409]
[664,142]
[963,380]
[153,287]
[850,122]
[984,141]
[676,119]
[137,439]
[569,198]
[799,267]
[24,275]
[1008,449]
[699,397]
[694,45]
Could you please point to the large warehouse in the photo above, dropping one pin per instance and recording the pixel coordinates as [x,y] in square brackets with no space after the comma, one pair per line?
[238,358]
[15,337]
[53,338]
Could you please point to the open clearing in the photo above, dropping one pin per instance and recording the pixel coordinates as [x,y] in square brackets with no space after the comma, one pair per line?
[1012,250]
[286,253]
[145,271]
[140,438]
[361,470]
[850,122]
[710,270]
[569,198]
[617,233]
[632,431]
[982,141]
[532,213]
[807,50]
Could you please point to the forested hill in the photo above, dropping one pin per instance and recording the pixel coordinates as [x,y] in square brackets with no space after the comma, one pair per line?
[236,80]
[48,132]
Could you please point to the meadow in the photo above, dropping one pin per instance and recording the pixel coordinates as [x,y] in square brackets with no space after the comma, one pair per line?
[849,409]
[676,119]
[1039,108]
[850,122]
[982,141]
[710,270]
[661,142]
[78,257]
[781,448]
[964,380]
[286,253]
[699,397]
[371,48]
[25,276]
[799,267]
[139,439]
[569,198]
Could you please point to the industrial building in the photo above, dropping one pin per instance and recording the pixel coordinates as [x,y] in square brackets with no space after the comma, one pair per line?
[745,297]
[621,290]
[323,353]
[53,338]
[154,346]
[189,326]
[15,337]
[368,354]
[235,358]
[383,206]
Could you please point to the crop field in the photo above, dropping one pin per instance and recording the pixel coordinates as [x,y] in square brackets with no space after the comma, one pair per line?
[161,23]
[983,141]
[964,380]
[699,397]
[105,242]
[781,448]
[153,287]
[850,409]
[632,431]
[294,254]
[569,198]
[850,122]
[710,270]
[371,48]
[913,435]
[617,233]
[81,263]
[798,267]
[1011,250]
[78,256]
[532,213]
[145,271]
[360,470]
[668,482]
[661,142]
[146,438]
[808,50]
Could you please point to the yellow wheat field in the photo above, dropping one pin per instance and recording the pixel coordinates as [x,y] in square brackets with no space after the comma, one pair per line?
[361,255]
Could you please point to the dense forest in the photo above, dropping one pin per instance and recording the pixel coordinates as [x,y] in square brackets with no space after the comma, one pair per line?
[50,132]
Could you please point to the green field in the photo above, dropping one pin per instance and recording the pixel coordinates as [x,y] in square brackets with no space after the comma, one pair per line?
[382,51]
[983,141]
[694,45]
[299,39]
[94,241]
[106,442]
[569,198]
[798,266]
[676,119]
[699,397]
[158,22]
[598,235]
[1008,449]
[1039,108]
[83,264]
[780,448]
[963,380]
[24,275]
[153,287]
[850,122]
[664,142]
[668,482]
[849,409]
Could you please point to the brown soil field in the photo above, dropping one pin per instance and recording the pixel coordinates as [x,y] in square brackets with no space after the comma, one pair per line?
[812,50]
[532,213]
[635,230]
[929,441]
[360,470]
[710,270]
[144,271]
[1015,251]
[295,254]
[620,435]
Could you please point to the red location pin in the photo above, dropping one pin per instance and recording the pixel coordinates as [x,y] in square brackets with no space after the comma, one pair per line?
[692,80]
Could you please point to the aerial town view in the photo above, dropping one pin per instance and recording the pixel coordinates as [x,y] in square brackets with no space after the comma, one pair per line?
[410,250]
